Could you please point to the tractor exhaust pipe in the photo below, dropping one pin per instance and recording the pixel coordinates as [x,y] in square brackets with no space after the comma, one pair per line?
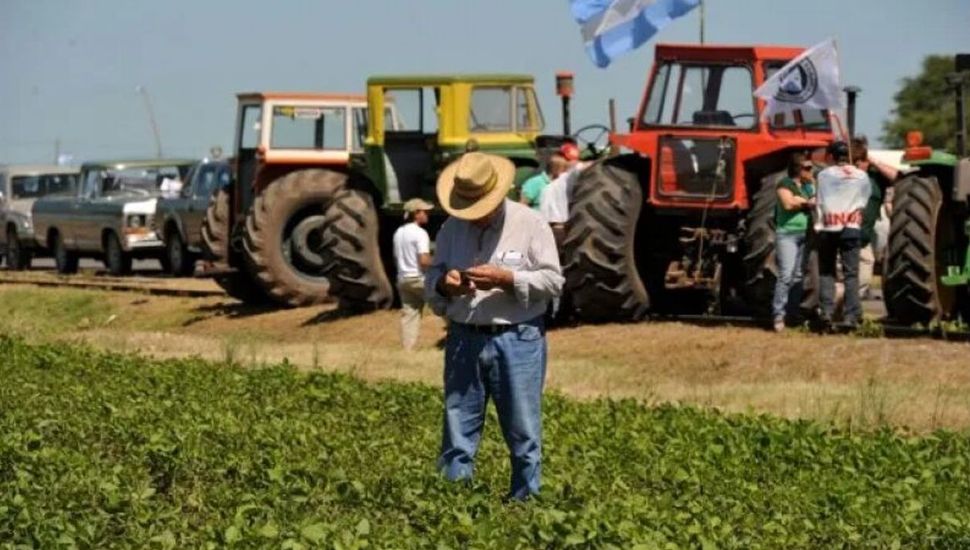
[958,79]
[852,93]
[564,89]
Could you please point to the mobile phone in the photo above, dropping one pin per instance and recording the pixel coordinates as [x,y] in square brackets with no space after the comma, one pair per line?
[465,279]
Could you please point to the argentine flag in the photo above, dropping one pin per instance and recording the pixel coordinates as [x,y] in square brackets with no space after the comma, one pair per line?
[614,27]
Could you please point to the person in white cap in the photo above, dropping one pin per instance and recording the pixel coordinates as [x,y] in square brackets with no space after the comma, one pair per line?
[494,272]
[412,254]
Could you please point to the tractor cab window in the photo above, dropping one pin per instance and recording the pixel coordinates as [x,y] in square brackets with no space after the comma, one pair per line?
[250,127]
[704,96]
[503,109]
[810,119]
[309,127]
[416,110]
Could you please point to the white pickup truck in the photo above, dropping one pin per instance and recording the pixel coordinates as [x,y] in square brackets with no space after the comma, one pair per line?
[110,216]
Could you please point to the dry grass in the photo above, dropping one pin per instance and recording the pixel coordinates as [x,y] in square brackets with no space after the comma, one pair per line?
[920,384]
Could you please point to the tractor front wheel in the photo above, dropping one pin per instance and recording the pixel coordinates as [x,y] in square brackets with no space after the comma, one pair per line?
[920,236]
[599,249]
[282,236]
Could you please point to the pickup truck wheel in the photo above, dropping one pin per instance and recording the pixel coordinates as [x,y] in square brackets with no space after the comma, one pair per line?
[18,258]
[65,260]
[116,259]
[279,247]
[179,260]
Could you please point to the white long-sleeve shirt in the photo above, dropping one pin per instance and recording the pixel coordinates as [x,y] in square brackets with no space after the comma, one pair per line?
[518,239]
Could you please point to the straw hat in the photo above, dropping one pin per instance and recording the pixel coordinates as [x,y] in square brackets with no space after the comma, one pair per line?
[474,185]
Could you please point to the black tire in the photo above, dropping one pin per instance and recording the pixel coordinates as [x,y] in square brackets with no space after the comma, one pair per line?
[179,262]
[65,261]
[241,286]
[18,258]
[289,277]
[116,260]
[599,250]
[352,254]
[760,268]
[215,229]
[920,231]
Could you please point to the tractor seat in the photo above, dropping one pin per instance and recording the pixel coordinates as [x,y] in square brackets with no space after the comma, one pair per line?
[713,118]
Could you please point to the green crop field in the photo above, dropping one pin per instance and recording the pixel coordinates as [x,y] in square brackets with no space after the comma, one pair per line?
[108,450]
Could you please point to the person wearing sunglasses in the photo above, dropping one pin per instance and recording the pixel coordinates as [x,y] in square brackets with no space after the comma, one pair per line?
[796,194]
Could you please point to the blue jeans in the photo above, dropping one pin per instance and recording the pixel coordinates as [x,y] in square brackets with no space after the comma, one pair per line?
[790,255]
[844,245]
[510,368]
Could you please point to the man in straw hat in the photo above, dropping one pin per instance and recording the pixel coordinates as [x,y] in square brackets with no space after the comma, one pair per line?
[494,272]
[412,254]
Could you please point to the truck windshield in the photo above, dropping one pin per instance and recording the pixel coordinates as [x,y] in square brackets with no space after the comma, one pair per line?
[130,181]
[701,95]
[32,187]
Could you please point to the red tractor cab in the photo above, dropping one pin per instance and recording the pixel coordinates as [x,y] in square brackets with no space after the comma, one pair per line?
[684,221]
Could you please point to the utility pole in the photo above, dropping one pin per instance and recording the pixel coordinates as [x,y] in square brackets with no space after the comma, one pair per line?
[151,119]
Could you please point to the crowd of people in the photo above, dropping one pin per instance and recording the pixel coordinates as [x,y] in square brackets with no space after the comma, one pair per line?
[842,210]
[495,271]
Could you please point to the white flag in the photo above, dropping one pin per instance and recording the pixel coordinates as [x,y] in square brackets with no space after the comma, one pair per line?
[810,81]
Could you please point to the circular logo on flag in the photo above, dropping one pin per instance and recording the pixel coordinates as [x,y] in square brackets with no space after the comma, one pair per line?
[798,83]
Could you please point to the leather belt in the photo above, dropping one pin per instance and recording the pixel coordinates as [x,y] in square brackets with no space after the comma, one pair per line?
[486,329]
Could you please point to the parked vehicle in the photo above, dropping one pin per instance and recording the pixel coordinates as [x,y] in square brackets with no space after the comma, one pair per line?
[178,219]
[928,264]
[110,215]
[20,186]
[685,223]
[305,218]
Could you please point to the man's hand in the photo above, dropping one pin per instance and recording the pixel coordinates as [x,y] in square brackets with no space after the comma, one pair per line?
[487,277]
[450,284]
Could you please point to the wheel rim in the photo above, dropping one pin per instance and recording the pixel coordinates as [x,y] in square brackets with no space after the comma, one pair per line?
[300,239]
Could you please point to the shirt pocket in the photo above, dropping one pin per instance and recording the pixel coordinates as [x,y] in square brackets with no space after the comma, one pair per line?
[512,259]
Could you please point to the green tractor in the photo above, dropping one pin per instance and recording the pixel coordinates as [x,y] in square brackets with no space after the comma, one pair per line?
[320,180]
[928,265]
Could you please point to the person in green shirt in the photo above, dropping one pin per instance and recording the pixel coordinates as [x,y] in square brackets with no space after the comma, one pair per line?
[796,194]
[532,187]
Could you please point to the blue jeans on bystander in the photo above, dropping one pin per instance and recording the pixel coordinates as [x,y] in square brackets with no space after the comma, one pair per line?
[510,368]
[790,255]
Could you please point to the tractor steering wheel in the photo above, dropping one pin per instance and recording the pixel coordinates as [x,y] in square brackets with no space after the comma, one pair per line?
[594,138]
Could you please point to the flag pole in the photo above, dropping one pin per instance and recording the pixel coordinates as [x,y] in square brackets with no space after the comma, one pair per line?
[846,135]
[702,21]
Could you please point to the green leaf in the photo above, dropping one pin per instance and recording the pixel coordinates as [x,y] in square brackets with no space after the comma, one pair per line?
[269,530]
[363,527]
[231,534]
[314,532]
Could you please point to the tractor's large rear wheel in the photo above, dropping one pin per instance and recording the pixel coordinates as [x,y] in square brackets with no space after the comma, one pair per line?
[599,250]
[282,236]
[352,254]
[215,228]
[760,268]
[215,248]
[921,232]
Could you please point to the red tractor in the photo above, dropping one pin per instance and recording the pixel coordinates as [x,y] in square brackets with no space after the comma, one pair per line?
[685,222]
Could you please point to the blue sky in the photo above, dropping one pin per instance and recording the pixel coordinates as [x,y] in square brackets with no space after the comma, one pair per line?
[69,69]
